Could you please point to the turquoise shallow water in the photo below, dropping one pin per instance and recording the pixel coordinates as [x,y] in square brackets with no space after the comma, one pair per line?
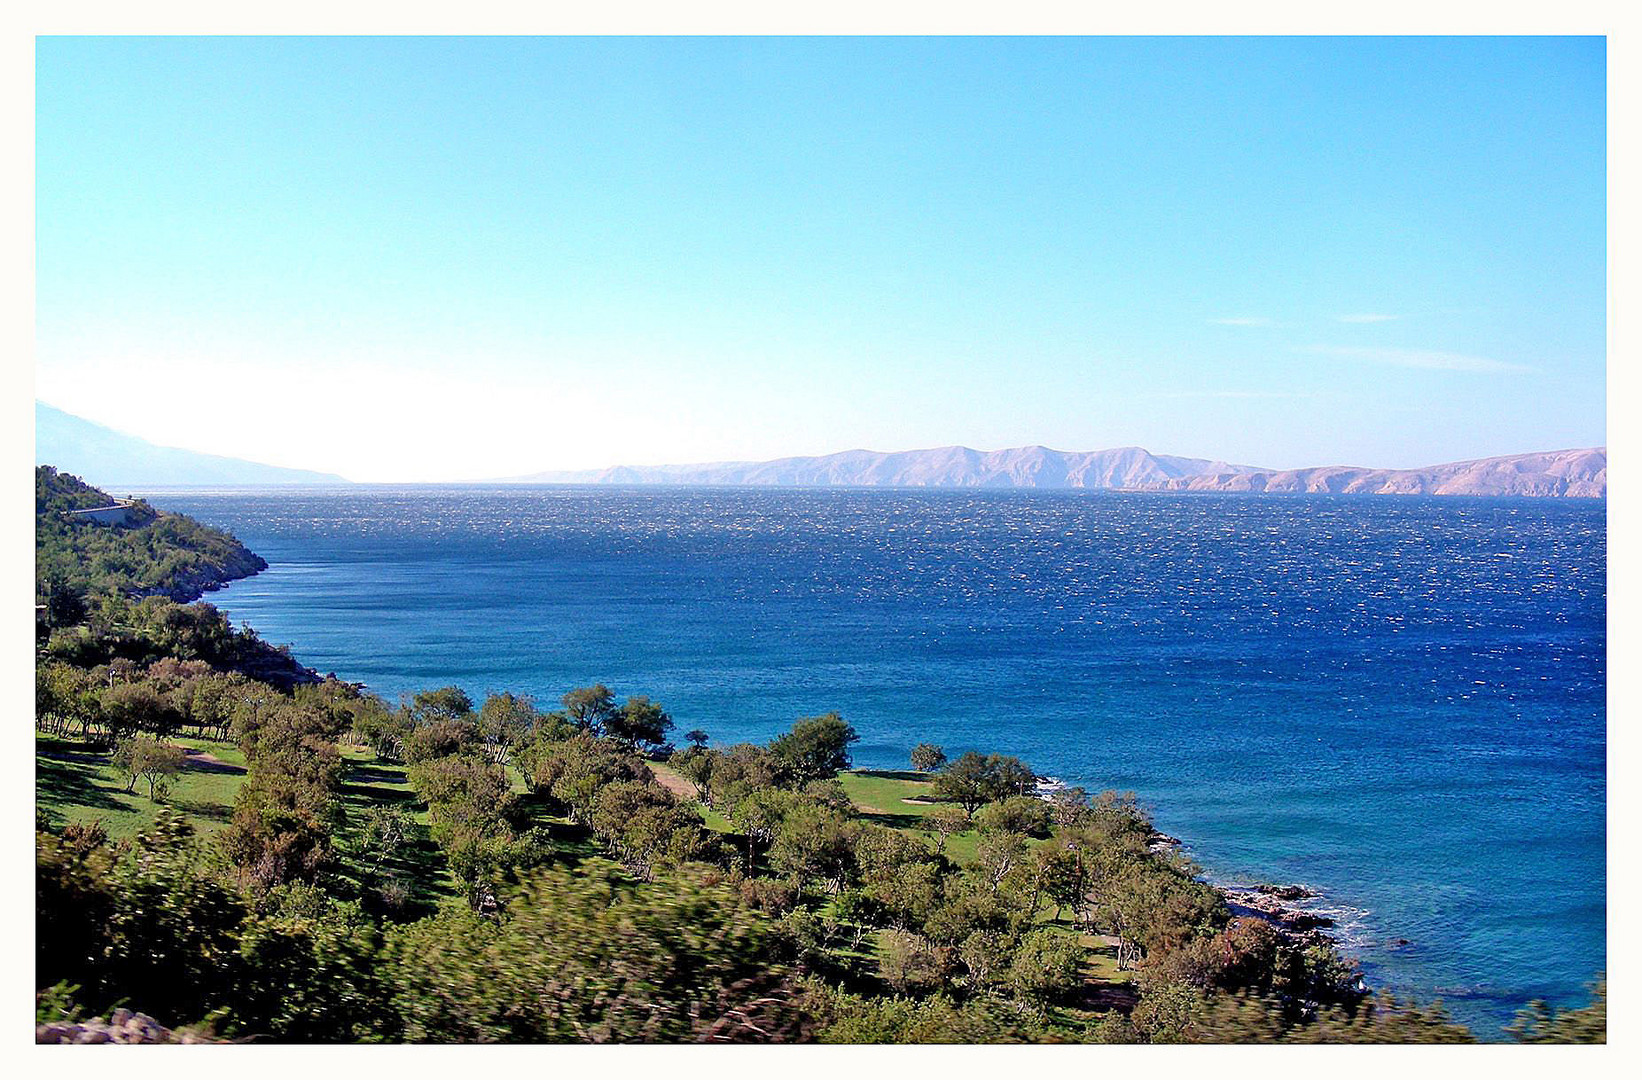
[1397,701]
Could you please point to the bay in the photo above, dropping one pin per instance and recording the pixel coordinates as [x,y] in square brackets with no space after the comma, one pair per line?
[1397,701]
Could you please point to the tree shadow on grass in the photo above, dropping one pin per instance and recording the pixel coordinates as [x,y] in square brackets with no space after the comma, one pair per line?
[1099,992]
[361,795]
[895,774]
[195,762]
[72,783]
[418,867]
[209,811]
[910,822]
[366,775]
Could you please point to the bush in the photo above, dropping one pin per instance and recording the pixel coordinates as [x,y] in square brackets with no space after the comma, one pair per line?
[909,963]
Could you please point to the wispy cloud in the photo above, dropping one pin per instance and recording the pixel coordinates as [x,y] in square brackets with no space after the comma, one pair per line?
[1428,359]
[1245,320]
[1368,318]
[1235,395]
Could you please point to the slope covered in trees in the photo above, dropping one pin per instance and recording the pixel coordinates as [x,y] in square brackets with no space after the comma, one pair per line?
[152,554]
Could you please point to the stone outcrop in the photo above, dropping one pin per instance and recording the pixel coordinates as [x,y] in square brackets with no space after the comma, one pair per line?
[122,1027]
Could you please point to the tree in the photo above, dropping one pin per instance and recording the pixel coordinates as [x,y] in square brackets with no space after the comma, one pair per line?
[927,757]
[148,923]
[1017,814]
[982,953]
[947,821]
[445,703]
[697,738]
[695,765]
[138,707]
[148,759]
[967,782]
[817,747]
[572,771]
[973,780]
[309,971]
[758,815]
[814,842]
[384,833]
[505,720]
[643,825]
[638,721]
[65,604]
[591,707]
[281,830]
[1058,874]
[999,855]
[1067,806]
[65,697]
[463,791]
[586,957]
[384,732]
[1150,907]
[1044,966]
[731,774]
[898,874]
[909,963]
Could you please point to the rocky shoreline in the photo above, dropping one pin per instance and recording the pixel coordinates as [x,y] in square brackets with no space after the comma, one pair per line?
[1283,906]
[1278,905]
[189,585]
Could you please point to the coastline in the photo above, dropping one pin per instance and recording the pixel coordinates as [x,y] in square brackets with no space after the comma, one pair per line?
[1431,967]
[1285,907]
[192,585]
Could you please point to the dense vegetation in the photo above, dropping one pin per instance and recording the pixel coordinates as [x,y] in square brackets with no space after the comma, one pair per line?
[154,555]
[303,861]
[111,599]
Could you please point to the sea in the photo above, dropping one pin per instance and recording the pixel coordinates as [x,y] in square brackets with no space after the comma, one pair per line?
[1398,702]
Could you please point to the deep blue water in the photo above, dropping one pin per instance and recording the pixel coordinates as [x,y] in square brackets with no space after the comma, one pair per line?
[1399,701]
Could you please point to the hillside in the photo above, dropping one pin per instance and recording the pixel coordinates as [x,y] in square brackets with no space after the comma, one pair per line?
[114,459]
[1565,473]
[150,554]
[948,466]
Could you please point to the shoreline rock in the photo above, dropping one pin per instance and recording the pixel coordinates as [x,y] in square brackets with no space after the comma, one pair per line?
[123,1027]
[1278,905]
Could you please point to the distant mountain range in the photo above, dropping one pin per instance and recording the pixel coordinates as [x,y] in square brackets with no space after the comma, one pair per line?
[107,458]
[948,466]
[111,459]
[1569,473]
[1559,473]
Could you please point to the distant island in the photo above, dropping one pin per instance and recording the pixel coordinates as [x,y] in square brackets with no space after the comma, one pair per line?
[1564,473]
[113,459]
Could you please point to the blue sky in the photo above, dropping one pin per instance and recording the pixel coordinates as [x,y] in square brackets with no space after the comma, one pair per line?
[406,259]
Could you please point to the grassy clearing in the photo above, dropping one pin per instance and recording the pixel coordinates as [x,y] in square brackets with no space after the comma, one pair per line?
[882,797]
[886,793]
[715,820]
[75,784]
[368,783]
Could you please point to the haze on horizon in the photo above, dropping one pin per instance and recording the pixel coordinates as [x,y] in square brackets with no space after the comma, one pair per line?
[438,259]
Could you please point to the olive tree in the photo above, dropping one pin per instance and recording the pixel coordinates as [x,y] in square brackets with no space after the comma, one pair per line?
[142,758]
[927,757]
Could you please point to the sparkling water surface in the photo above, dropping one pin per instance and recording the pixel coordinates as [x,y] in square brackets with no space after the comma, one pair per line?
[1397,701]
